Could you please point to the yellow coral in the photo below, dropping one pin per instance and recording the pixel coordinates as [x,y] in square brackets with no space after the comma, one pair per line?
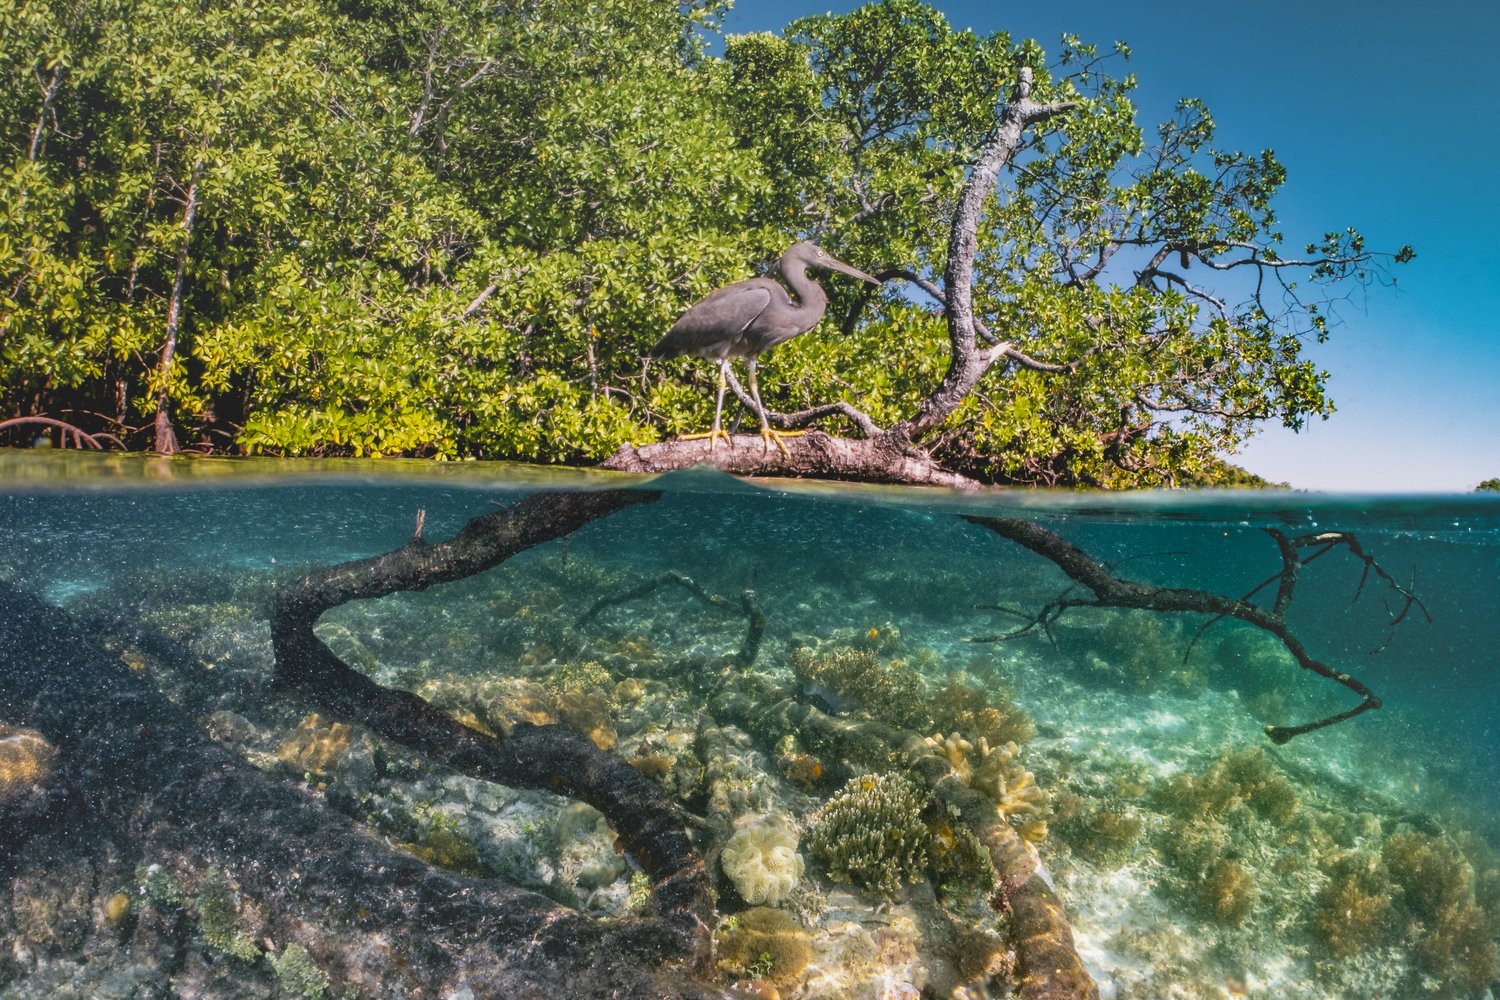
[589,714]
[26,760]
[955,750]
[315,746]
[1010,786]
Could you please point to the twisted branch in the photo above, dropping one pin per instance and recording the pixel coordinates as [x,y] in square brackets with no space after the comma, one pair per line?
[1108,590]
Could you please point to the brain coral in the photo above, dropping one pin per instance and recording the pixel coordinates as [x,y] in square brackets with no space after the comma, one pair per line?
[26,760]
[763,862]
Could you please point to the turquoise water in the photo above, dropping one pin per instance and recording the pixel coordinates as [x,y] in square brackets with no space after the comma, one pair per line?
[1136,716]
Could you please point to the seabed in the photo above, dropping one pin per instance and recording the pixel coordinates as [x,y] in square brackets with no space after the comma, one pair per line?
[1194,858]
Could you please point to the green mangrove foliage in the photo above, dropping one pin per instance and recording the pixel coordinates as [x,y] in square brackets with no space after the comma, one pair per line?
[450,229]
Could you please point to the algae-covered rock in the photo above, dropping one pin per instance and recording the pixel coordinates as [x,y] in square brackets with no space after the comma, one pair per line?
[764,943]
[1353,911]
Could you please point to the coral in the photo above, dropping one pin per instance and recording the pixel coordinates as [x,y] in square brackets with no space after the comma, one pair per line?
[315,746]
[871,833]
[768,941]
[588,675]
[960,705]
[801,769]
[504,701]
[217,916]
[629,691]
[588,713]
[961,863]
[26,760]
[298,975]
[1353,911]
[890,690]
[955,750]
[762,861]
[117,909]
[1000,777]
[1010,786]
[655,765]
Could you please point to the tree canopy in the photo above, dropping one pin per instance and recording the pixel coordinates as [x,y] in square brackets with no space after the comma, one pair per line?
[452,229]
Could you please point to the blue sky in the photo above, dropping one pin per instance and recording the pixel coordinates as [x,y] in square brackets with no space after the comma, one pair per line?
[1385,117]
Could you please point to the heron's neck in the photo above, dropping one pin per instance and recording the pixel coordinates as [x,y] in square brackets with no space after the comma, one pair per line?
[809,293]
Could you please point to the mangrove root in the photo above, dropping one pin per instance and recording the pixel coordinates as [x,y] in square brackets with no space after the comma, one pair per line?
[1106,590]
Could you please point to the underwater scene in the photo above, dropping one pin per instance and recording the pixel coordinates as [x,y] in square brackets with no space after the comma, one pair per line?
[395,730]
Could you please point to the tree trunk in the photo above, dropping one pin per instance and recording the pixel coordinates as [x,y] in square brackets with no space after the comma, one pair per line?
[165,437]
[886,458]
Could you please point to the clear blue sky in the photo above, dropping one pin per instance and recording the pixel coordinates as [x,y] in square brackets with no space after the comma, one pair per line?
[1386,118]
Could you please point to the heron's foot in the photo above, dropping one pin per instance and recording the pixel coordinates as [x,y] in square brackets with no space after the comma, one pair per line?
[767,435]
[713,435]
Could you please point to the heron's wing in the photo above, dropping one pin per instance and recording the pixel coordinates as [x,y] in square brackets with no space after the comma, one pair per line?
[713,326]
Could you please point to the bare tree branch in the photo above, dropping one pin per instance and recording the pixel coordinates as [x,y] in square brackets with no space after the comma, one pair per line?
[1109,590]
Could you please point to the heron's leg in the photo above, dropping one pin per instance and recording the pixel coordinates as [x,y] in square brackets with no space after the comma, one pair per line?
[766,434]
[718,431]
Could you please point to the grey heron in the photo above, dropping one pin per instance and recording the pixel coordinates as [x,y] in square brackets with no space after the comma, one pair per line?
[748,318]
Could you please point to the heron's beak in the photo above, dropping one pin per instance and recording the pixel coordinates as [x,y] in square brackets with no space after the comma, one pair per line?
[853,272]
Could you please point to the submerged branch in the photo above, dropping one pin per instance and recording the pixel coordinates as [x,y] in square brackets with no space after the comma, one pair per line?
[548,757]
[748,605]
[1109,590]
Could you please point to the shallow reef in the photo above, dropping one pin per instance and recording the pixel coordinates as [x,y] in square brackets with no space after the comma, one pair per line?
[1125,753]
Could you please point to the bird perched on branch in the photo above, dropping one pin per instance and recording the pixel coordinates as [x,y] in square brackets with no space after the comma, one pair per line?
[748,318]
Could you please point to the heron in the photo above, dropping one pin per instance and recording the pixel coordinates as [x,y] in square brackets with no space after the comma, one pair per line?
[748,318]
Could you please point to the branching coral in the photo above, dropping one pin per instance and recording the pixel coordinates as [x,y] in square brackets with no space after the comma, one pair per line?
[217,916]
[890,689]
[996,773]
[298,974]
[872,834]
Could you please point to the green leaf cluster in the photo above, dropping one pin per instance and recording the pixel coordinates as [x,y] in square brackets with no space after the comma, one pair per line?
[451,228]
